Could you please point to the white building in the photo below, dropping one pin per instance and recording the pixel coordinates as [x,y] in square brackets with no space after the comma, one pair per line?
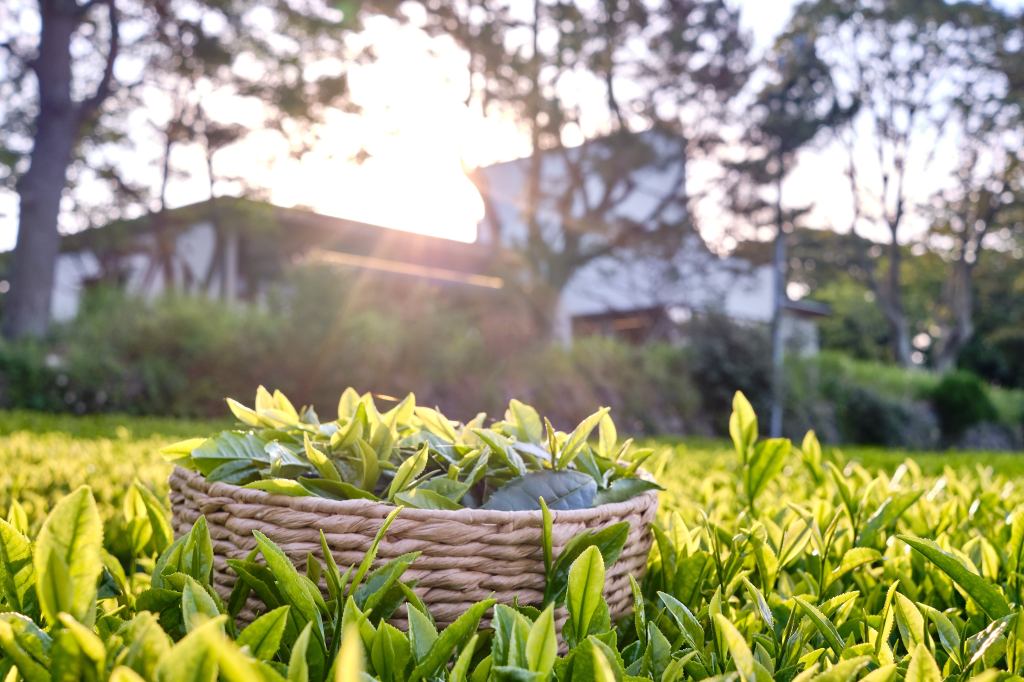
[645,291]
[232,249]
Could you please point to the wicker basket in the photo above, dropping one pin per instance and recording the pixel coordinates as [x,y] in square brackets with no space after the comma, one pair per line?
[466,555]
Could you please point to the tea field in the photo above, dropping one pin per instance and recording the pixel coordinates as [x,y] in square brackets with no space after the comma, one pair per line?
[776,563]
[44,456]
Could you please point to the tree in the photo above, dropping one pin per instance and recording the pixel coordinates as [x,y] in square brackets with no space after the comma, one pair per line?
[906,64]
[69,89]
[984,206]
[609,95]
[795,103]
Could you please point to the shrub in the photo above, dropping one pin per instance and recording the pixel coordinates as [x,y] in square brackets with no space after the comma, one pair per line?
[868,417]
[26,379]
[961,400]
[460,350]
[725,357]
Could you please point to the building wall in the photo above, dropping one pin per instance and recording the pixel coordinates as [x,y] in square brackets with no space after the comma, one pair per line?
[691,279]
[72,270]
[193,253]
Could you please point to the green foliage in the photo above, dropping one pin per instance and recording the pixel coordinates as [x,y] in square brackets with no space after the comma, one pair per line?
[837,570]
[415,456]
[118,356]
[961,400]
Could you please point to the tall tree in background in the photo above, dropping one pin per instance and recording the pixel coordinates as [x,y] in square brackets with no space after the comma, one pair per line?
[616,97]
[797,101]
[983,208]
[906,63]
[68,90]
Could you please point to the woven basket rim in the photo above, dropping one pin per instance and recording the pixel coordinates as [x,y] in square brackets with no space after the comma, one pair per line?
[370,508]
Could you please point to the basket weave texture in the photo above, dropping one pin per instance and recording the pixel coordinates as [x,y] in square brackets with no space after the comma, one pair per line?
[466,555]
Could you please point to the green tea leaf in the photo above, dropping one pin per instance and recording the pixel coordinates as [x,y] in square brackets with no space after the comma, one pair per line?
[349,665]
[687,623]
[290,583]
[279,486]
[196,605]
[17,572]
[407,472]
[987,595]
[823,624]
[422,634]
[460,669]
[263,635]
[529,428]
[578,438]
[586,586]
[298,666]
[922,666]
[319,460]
[452,637]
[26,645]
[742,657]
[422,498]
[742,425]
[68,558]
[909,621]
[560,490]
[622,489]
[542,645]
[335,490]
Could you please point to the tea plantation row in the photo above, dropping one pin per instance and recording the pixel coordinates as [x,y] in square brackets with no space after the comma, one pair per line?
[867,565]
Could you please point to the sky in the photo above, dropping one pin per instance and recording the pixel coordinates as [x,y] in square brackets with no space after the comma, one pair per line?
[421,137]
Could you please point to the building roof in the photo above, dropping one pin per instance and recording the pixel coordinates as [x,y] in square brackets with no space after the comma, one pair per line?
[300,234]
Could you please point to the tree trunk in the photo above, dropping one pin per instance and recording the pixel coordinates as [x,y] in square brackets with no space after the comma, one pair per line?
[899,326]
[961,326]
[40,189]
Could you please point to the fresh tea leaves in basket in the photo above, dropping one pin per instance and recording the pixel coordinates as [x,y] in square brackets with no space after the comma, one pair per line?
[415,456]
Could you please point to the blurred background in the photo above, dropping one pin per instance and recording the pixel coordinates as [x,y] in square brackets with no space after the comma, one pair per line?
[646,204]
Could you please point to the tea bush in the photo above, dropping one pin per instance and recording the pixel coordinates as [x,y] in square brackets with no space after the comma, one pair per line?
[774,561]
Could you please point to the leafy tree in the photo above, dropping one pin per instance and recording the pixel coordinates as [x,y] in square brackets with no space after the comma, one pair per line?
[797,101]
[984,207]
[907,65]
[640,85]
[76,71]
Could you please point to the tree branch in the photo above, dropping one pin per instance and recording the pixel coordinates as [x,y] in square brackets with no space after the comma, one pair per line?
[106,85]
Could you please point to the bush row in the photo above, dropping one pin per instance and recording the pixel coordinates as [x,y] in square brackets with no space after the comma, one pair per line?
[181,356]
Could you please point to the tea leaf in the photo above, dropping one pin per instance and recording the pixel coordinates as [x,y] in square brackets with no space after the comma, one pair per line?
[988,596]
[922,666]
[451,638]
[742,425]
[823,624]
[263,635]
[742,657]
[68,558]
[407,472]
[586,585]
[560,490]
[541,645]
